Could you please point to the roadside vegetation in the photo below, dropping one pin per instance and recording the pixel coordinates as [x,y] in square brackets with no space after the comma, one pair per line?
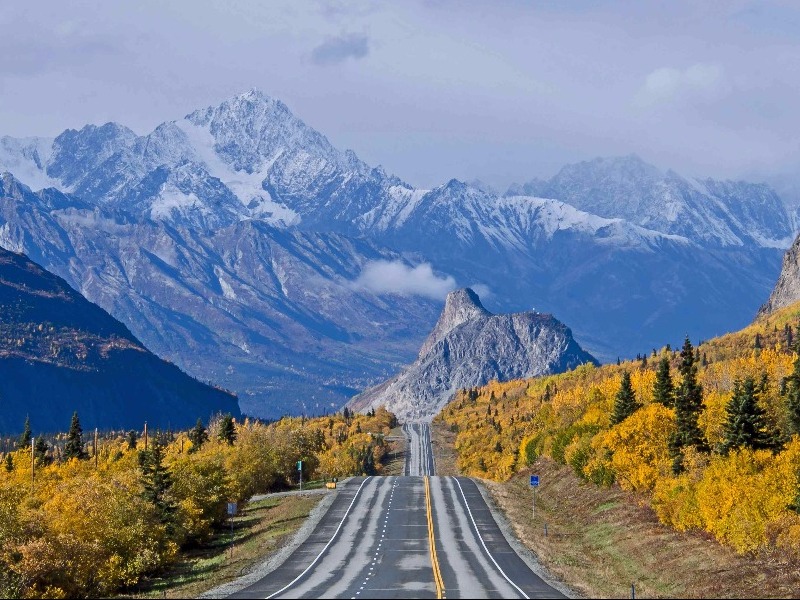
[708,437]
[83,521]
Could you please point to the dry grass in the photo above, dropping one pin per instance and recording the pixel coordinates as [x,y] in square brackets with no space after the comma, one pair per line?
[259,531]
[443,441]
[602,540]
[395,460]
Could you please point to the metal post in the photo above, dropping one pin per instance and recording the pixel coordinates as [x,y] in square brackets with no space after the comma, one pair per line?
[33,464]
[545,530]
[534,503]
[633,591]
[145,436]
[95,447]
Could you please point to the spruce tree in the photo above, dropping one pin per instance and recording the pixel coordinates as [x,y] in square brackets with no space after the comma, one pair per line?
[74,445]
[625,403]
[133,439]
[9,463]
[664,388]
[793,398]
[40,448]
[157,482]
[26,437]
[688,404]
[198,436]
[746,425]
[227,430]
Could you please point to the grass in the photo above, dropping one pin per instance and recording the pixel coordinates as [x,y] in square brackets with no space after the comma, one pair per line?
[601,540]
[395,460]
[258,531]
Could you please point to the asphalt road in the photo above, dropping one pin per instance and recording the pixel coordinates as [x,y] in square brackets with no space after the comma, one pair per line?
[375,542]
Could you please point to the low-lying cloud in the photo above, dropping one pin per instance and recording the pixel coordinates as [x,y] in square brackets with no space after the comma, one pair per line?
[336,50]
[396,277]
[699,82]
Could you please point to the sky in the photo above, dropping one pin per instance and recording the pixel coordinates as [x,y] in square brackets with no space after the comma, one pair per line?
[501,91]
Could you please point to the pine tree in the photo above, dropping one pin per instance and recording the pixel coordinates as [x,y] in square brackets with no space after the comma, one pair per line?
[227,430]
[198,436]
[757,342]
[9,463]
[793,398]
[625,403]
[746,425]
[74,445]
[688,404]
[26,437]
[664,388]
[157,482]
[133,439]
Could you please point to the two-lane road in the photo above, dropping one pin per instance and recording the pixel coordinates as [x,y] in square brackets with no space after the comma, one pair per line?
[416,536]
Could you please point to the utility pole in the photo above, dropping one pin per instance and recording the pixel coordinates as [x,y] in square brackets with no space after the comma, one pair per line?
[95,448]
[145,436]
[33,465]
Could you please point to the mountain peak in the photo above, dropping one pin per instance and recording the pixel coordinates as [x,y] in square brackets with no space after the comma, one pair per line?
[460,306]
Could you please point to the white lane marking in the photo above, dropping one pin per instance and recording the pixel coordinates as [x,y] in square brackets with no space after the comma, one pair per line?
[333,537]
[489,554]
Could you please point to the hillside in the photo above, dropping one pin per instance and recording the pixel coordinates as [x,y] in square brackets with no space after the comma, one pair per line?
[60,353]
[735,483]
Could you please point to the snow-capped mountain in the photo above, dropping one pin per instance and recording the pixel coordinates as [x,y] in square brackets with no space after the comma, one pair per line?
[708,212]
[229,241]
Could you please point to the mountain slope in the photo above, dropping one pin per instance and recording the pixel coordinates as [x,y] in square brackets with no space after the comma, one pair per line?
[468,347]
[60,353]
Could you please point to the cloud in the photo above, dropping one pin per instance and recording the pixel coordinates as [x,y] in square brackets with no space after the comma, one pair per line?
[386,277]
[484,291]
[699,83]
[336,50]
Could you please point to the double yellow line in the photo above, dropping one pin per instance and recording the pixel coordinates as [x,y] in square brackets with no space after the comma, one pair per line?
[437,573]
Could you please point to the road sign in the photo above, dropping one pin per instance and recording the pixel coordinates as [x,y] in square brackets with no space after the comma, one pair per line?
[231,508]
[299,465]
[534,481]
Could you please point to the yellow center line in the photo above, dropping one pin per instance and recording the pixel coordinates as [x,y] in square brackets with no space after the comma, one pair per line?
[437,573]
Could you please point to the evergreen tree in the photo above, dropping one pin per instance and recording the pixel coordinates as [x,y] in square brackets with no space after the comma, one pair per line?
[793,398]
[133,439]
[157,482]
[40,448]
[227,430]
[198,436]
[757,342]
[625,403]
[688,404]
[746,425]
[74,445]
[346,414]
[26,437]
[663,388]
[9,463]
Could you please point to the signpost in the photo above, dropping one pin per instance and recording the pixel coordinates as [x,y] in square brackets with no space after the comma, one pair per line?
[300,468]
[231,513]
[534,485]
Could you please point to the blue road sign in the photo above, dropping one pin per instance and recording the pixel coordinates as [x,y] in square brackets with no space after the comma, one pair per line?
[534,480]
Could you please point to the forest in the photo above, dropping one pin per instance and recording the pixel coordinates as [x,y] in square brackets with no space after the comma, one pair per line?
[708,436]
[80,518]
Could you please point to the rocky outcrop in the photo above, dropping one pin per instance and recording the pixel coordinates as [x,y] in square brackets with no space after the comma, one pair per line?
[787,290]
[469,347]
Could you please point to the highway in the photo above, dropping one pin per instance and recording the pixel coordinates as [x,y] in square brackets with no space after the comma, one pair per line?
[416,536]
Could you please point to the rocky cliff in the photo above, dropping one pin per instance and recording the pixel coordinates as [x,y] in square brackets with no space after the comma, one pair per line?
[787,290]
[470,346]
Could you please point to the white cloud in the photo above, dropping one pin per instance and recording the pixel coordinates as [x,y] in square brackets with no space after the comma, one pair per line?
[483,290]
[697,83]
[395,277]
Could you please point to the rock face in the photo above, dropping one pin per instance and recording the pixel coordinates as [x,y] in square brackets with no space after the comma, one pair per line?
[787,290]
[60,353]
[469,347]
